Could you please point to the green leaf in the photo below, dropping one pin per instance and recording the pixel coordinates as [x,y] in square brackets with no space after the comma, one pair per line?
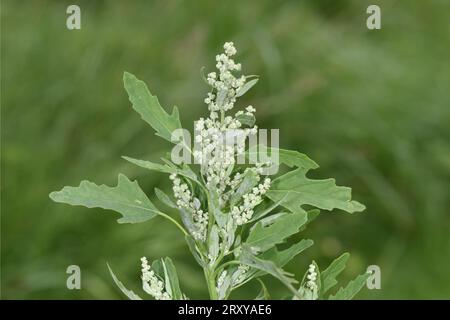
[247,86]
[246,119]
[334,269]
[264,208]
[162,168]
[214,208]
[164,198]
[299,190]
[149,108]
[262,153]
[312,215]
[213,243]
[158,268]
[230,231]
[281,258]
[127,198]
[266,237]
[249,180]
[193,248]
[129,293]
[171,279]
[151,165]
[267,221]
[246,257]
[352,288]
[188,221]
[224,290]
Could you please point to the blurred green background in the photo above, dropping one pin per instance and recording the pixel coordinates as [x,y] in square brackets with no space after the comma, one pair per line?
[371,107]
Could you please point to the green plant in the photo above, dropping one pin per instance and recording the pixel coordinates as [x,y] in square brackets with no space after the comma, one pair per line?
[232,219]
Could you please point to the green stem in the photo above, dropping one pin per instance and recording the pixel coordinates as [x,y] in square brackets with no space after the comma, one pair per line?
[211,283]
[173,221]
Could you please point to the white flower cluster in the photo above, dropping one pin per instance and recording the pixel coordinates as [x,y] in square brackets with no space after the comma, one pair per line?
[187,201]
[225,84]
[219,141]
[220,280]
[214,152]
[309,290]
[151,284]
[312,277]
[240,274]
[220,138]
[243,213]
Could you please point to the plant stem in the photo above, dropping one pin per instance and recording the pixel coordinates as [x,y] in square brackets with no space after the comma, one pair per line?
[211,283]
[173,221]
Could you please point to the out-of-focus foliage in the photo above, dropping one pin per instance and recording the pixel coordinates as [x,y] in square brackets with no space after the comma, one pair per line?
[372,107]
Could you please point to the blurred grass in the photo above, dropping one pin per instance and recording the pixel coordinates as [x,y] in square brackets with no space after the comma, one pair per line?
[371,107]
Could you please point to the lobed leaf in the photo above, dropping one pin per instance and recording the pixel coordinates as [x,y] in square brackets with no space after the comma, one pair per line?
[266,237]
[352,288]
[262,153]
[151,165]
[147,105]
[246,257]
[334,269]
[267,221]
[298,190]
[281,258]
[312,215]
[127,198]
[162,168]
[264,208]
